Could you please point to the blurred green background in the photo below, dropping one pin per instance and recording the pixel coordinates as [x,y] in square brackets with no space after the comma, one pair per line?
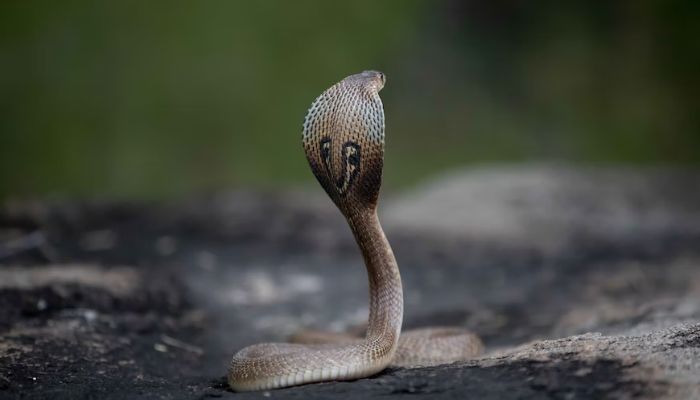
[134,99]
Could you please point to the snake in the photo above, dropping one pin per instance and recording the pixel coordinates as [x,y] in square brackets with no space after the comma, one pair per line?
[343,139]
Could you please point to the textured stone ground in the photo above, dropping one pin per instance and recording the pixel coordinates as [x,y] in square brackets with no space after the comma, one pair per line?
[582,283]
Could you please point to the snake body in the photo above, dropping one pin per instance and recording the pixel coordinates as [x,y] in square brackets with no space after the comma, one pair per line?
[343,138]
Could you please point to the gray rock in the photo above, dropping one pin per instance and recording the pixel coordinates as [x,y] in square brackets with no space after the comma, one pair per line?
[549,206]
[582,283]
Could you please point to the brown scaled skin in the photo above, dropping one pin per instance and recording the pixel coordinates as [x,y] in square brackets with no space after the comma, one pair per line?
[343,139]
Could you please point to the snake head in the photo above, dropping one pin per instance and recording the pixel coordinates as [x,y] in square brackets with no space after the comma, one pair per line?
[376,78]
[343,137]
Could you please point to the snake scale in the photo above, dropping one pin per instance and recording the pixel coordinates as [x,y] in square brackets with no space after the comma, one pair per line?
[343,138]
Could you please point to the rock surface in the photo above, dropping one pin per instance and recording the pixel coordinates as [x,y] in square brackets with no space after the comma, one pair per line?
[582,283]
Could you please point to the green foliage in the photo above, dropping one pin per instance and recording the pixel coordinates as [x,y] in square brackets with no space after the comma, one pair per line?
[154,99]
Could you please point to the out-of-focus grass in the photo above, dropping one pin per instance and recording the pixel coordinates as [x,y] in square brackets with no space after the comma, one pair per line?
[144,99]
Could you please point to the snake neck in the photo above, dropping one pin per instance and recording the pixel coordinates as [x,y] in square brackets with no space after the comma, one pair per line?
[386,294]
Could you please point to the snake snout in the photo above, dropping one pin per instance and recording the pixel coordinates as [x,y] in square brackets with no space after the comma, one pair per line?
[378,78]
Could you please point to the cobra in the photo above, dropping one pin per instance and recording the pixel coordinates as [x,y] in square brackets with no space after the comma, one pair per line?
[343,138]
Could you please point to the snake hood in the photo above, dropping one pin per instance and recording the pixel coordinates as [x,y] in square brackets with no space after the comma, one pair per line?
[343,138]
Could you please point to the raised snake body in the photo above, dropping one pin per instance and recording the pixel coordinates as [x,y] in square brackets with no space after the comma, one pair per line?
[343,137]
